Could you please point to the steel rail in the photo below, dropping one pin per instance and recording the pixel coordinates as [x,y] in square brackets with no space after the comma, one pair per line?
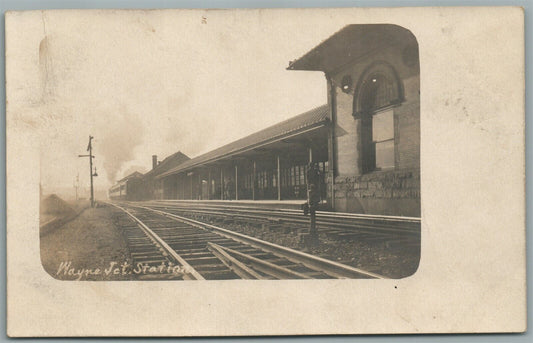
[361,227]
[232,263]
[329,217]
[331,268]
[291,211]
[265,266]
[189,271]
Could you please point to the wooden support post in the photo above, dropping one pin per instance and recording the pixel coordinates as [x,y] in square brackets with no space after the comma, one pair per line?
[332,149]
[182,187]
[209,184]
[191,186]
[177,186]
[221,183]
[236,183]
[253,182]
[310,155]
[277,181]
[200,188]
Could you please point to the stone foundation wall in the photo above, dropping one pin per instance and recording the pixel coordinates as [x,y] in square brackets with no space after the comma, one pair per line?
[387,192]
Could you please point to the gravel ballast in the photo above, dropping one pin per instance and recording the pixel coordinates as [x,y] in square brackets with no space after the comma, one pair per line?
[75,250]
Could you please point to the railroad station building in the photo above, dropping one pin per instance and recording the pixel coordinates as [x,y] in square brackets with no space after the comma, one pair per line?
[162,188]
[373,78]
[365,140]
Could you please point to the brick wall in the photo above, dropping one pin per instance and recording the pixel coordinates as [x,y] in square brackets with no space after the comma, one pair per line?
[347,136]
[407,132]
[395,192]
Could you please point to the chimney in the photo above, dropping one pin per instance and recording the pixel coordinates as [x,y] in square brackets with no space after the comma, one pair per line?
[154,161]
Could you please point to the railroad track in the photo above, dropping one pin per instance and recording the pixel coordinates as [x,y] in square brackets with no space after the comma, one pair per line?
[396,231]
[203,251]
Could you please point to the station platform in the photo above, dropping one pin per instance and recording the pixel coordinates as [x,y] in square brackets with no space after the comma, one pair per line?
[267,204]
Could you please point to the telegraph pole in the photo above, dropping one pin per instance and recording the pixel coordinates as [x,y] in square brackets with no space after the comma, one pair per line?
[90,150]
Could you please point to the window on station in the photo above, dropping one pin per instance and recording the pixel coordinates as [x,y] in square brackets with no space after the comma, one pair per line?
[302,175]
[262,180]
[378,92]
[383,139]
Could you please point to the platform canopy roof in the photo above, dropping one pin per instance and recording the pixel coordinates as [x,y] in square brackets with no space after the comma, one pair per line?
[350,43]
[317,117]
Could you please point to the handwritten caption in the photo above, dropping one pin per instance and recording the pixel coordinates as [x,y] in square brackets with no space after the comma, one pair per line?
[67,269]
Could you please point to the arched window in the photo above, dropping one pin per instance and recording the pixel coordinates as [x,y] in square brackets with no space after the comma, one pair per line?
[379,89]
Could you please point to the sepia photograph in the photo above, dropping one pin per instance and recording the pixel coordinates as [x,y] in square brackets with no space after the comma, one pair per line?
[318,171]
[313,174]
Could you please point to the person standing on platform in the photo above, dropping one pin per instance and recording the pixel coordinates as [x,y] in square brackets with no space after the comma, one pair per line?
[313,187]
[230,189]
[313,200]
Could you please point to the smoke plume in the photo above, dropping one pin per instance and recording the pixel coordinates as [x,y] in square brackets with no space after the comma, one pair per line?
[119,139]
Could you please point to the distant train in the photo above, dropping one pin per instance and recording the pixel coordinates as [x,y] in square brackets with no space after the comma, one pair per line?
[129,188]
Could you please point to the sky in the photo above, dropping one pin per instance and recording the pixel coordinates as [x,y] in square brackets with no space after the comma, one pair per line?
[146,83]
